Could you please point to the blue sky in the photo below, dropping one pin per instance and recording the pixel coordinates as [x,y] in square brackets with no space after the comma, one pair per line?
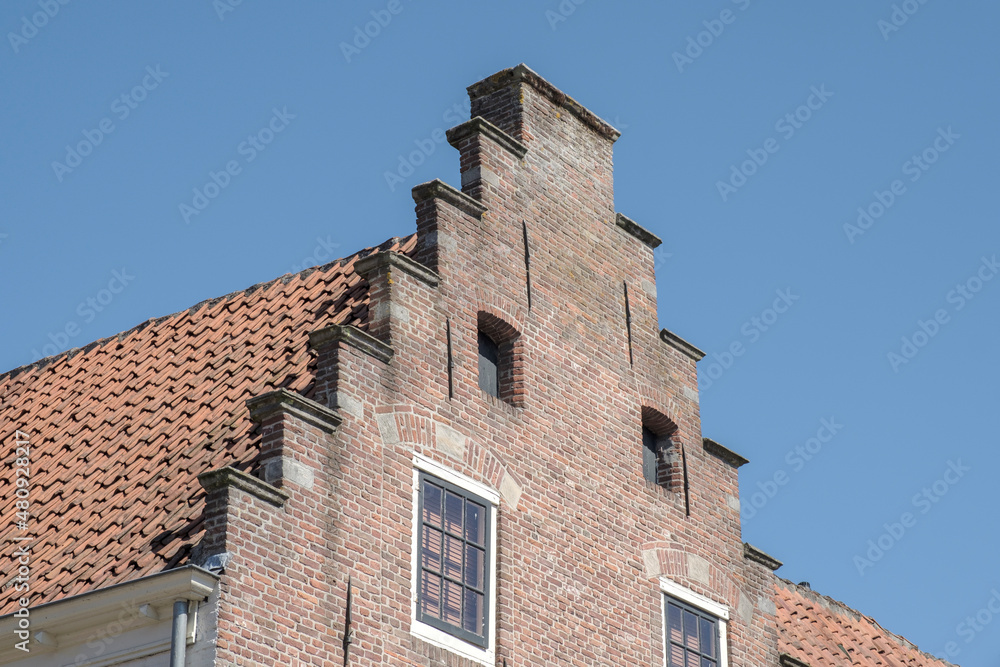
[753,133]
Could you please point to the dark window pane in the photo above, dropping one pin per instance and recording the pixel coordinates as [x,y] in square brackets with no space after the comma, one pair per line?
[475,523]
[452,558]
[489,358]
[692,636]
[707,637]
[674,624]
[432,504]
[454,508]
[452,607]
[430,549]
[649,457]
[690,631]
[474,619]
[453,578]
[474,559]
[430,595]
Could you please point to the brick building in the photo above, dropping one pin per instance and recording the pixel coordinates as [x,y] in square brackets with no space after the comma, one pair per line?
[472,445]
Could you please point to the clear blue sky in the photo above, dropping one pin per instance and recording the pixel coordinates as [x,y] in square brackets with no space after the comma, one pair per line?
[879,97]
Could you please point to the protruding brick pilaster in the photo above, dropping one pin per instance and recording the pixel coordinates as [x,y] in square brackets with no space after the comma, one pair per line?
[338,383]
[545,120]
[223,491]
[272,536]
[444,216]
[389,307]
[285,458]
[490,159]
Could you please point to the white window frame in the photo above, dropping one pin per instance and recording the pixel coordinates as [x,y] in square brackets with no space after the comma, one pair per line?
[425,632]
[686,595]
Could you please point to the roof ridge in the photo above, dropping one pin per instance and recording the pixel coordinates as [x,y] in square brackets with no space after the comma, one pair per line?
[284,278]
[833,602]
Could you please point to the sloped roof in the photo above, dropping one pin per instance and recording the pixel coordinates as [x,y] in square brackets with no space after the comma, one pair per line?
[821,632]
[121,429]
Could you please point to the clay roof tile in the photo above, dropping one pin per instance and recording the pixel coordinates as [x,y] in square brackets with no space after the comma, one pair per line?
[823,632]
[121,427]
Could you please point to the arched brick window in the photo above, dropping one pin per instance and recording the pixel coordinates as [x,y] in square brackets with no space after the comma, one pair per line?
[662,460]
[501,359]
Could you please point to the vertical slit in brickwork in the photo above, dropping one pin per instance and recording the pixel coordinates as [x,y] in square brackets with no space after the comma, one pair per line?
[628,324]
[687,494]
[451,360]
[348,630]
[527,262]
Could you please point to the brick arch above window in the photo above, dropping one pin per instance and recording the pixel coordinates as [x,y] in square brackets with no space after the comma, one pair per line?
[501,308]
[657,421]
[665,450]
[449,446]
[509,355]
[670,560]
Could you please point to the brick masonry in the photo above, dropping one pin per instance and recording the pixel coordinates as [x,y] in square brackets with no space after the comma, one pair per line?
[582,538]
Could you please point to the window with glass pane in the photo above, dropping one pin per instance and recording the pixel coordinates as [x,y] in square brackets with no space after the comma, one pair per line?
[454,528]
[650,461]
[692,636]
[489,362]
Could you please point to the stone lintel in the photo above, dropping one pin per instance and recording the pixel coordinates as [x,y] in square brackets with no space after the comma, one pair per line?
[438,189]
[524,74]
[231,477]
[633,228]
[786,660]
[396,260]
[751,552]
[353,336]
[288,402]
[727,455]
[681,345]
[480,125]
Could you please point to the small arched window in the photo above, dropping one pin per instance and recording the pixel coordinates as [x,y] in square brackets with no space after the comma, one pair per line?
[650,456]
[489,360]
[501,359]
[662,457]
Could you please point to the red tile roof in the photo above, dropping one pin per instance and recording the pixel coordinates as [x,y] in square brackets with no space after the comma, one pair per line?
[120,429]
[821,632]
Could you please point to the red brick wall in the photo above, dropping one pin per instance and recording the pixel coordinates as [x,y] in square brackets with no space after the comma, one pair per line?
[580,553]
